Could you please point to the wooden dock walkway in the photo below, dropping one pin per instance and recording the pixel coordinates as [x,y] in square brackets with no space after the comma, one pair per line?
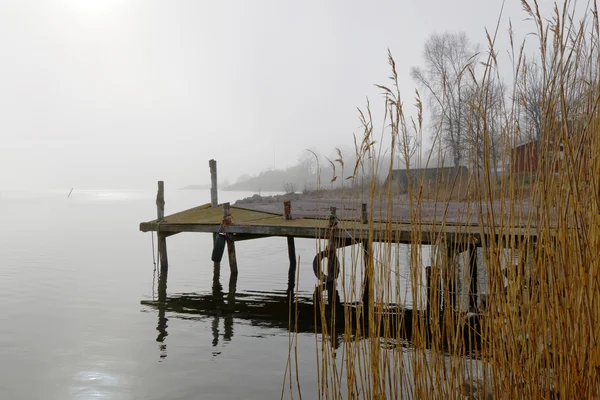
[230,224]
[247,223]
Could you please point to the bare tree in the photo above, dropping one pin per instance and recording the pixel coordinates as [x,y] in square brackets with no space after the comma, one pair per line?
[543,98]
[446,78]
[290,187]
[530,92]
[486,122]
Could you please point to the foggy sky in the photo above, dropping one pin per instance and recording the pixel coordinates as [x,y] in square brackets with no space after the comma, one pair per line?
[120,94]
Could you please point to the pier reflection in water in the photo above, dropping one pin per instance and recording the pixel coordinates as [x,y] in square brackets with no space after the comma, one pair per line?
[264,309]
[284,310]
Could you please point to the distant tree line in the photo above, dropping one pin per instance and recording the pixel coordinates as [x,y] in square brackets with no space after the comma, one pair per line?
[470,107]
[312,172]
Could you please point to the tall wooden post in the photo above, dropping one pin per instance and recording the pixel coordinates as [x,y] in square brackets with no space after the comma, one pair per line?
[473,290]
[368,262]
[331,251]
[429,293]
[162,243]
[368,271]
[214,201]
[230,243]
[217,288]
[434,300]
[164,267]
[287,212]
[160,201]
[451,298]
[364,216]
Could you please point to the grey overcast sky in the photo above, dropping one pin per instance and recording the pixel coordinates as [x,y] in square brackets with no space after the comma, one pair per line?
[119,94]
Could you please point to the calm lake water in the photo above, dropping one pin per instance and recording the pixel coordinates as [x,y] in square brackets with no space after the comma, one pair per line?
[75,271]
[77,274]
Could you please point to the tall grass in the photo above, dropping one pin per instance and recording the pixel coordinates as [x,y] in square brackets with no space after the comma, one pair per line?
[539,331]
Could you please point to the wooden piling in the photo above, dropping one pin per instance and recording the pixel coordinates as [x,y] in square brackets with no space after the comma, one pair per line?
[364,216]
[332,245]
[160,201]
[232,257]
[451,298]
[162,244]
[473,287]
[291,251]
[287,212]
[214,201]
[217,288]
[368,271]
[333,211]
[429,292]
[164,267]
[332,249]
[434,300]
[287,209]
[230,243]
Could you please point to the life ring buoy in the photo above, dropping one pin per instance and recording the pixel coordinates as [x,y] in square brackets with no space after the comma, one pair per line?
[333,266]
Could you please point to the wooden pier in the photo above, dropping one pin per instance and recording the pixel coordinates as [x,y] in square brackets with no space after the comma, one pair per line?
[241,223]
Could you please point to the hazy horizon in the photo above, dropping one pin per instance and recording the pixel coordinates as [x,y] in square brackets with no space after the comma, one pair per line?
[120,94]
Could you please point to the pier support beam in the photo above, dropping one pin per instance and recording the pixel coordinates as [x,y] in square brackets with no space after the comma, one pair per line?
[364,215]
[287,211]
[162,244]
[433,298]
[232,257]
[450,295]
[368,261]
[473,287]
[451,298]
[332,297]
[164,267]
[230,243]
[368,272]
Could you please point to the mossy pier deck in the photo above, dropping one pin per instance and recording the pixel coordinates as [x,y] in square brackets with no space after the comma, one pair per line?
[248,223]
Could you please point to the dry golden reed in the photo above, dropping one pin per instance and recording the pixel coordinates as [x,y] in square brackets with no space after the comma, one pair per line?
[539,328]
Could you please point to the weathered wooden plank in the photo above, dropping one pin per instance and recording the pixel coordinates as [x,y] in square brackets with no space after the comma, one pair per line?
[427,234]
[242,237]
[205,214]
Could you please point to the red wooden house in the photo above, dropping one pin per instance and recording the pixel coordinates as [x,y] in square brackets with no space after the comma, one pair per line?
[524,158]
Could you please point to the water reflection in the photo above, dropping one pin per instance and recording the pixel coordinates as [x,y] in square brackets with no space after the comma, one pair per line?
[227,302]
[293,312]
[261,309]
[162,329]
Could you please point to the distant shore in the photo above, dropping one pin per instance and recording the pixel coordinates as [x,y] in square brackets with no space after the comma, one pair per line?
[196,187]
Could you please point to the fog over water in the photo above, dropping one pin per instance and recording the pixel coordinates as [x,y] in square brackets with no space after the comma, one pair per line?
[119,94]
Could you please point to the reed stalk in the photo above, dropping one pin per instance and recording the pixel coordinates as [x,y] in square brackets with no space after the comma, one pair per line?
[538,330]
